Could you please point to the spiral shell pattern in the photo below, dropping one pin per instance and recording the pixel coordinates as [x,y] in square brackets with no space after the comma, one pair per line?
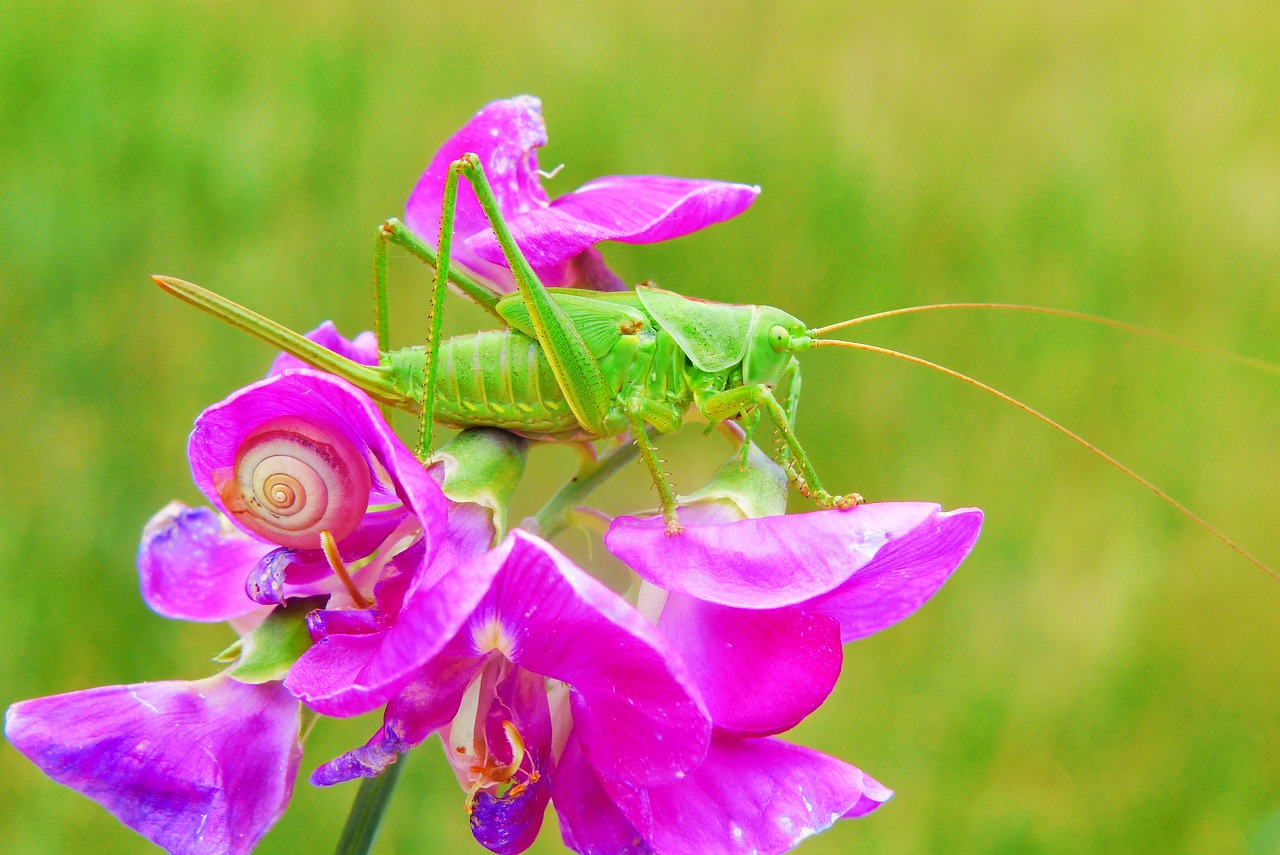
[295,478]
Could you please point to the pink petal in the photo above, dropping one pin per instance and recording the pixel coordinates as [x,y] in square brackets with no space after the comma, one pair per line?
[590,822]
[197,768]
[345,675]
[635,708]
[759,672]
[750,795]
[363,348]
[320,397]
[906,572]
[358,664]
[504,135]
[782,560]
[627,208]
[192,565]
[422,707]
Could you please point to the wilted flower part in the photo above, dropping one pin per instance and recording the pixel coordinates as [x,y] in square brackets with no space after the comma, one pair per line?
[557,237]
[198,768]
[748,795]
[540,617]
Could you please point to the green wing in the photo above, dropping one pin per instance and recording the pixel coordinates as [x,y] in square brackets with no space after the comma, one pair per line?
[713,335]
[601,318]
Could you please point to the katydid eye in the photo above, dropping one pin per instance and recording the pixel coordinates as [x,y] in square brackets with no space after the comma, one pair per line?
[779,338]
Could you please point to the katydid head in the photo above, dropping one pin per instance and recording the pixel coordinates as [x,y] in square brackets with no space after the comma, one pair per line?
[773,338]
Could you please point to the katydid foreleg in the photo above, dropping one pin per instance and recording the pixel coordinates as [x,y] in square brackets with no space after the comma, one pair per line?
[730,402]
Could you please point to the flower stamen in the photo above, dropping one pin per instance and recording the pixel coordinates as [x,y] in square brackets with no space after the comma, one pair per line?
[330,547]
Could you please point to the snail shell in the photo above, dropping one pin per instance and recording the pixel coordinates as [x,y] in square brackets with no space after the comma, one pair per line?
[294,479]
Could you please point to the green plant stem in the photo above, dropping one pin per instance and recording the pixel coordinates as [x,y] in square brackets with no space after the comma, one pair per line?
[361,830]
[554,515]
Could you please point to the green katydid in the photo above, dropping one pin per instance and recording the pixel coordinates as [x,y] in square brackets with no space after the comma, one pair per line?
[573,365]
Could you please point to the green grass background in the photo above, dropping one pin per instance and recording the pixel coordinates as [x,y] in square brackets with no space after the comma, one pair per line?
[1100,676]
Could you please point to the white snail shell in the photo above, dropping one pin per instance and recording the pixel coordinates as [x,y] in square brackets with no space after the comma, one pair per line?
[294,479]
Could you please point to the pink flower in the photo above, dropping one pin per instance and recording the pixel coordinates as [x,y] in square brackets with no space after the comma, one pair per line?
[558,237]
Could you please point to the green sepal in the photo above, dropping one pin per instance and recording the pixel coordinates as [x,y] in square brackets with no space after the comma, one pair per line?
[484,466]
[231,654]
[269,651]
[756,487]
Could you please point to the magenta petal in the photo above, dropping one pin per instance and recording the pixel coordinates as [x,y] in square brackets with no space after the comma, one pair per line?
[321,398]
[196,768]
[903,576]
[750,795]
[781,560]
[192,565]
[760,672]
[504,135]
[627,208]
[634,706]
[363,348]
[590,822]
[345,675]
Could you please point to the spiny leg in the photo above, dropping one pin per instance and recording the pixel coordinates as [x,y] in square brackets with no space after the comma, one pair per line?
[733,401]
[395,232]
[790,404]
[431,350]
[638,412]
[576,370]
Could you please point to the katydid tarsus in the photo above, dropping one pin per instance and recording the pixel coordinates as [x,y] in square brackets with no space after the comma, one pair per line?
[578,366]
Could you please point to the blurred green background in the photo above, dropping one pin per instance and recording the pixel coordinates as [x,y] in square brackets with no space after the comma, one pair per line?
[1101,674]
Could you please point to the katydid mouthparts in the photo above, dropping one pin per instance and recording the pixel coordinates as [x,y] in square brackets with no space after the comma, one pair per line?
[577,366]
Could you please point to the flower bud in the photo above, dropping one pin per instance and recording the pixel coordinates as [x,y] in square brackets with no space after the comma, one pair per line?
[483,466]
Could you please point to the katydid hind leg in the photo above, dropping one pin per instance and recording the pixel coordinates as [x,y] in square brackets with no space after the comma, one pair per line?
[395,232]
[431,350]
[576,369]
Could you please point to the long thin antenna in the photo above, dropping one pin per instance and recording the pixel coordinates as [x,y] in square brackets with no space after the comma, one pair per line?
[1249,361]
[1185,511]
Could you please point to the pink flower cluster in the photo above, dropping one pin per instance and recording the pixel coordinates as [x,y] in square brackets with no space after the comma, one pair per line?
[649,724]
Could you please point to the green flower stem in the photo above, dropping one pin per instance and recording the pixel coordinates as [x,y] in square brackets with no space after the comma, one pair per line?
[361,830]
[554,516]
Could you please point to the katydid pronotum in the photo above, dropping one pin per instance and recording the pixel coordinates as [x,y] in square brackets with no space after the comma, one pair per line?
[577,366]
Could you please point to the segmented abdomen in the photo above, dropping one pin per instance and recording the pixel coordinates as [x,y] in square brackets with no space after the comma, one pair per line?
[501,378]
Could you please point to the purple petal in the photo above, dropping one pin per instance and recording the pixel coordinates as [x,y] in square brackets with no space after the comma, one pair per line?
[627,208]
[326,400]
[783,560]
[634,706]
[425,705]
[903,576]
[363,348]
[590,822]
[504,135]
[192,564]
[508,823]
[760,672]
[202,767]
[344,675]
[750,795]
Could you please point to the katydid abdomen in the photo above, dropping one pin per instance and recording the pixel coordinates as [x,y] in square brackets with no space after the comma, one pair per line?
[502,379]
